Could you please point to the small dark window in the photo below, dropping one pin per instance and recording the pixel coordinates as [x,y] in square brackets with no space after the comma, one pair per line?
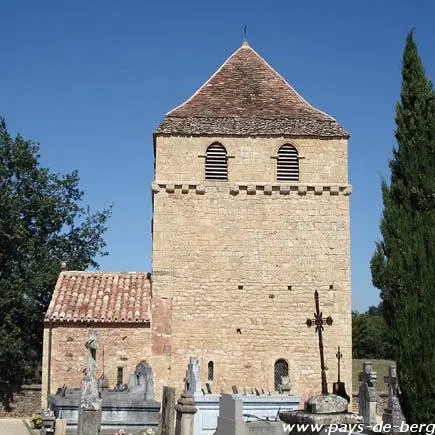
[216,165]
[120,378]
[281,369]
[288,164]
[210,371]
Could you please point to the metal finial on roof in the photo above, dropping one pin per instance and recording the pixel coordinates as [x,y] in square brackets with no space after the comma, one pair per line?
[245,40]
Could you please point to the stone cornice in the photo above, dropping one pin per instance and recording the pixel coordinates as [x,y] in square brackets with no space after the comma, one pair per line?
[256,188]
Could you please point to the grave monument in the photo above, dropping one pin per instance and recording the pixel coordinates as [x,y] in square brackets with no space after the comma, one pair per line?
[325,409]
[89,421]
[393,413]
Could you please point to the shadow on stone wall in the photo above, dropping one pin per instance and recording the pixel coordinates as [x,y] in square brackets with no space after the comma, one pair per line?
[19,401]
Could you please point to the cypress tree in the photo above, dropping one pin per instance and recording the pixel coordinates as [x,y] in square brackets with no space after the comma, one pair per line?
[403,265]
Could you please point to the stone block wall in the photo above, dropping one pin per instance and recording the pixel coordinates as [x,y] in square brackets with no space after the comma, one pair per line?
[119,346]
[19,401]
[251,159]
[240,260]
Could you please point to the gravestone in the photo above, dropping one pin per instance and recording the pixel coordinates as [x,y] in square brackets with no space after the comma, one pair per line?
[186,410]
[192,381]
[230,420]
[89,421]
[393,413]
[131,410]
[141,381]
[234,420]
[185,407]
[367,394]
[168,411]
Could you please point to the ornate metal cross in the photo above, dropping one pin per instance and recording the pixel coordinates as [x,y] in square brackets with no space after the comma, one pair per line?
[339,355]
[319,321]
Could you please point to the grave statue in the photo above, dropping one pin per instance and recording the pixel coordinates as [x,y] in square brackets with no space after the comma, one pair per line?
[89,421]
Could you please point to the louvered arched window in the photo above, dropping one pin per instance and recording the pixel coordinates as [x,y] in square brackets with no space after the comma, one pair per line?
[216,164]
[288,164]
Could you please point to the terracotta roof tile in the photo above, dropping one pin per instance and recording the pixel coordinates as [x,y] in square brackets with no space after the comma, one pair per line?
[110,297]
[247,96]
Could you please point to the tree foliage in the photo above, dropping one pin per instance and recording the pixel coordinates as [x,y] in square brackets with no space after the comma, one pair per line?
[403,266]
[42,224]
[370,335]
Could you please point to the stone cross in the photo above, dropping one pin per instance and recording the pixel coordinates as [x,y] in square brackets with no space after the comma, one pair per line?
[393,413]
[92,346]
[89,419]
[392,382]
[319,321]
[367,394]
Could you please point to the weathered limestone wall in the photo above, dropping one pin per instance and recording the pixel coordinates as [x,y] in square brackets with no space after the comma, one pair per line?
[123,347]
[240,260]
[181,159]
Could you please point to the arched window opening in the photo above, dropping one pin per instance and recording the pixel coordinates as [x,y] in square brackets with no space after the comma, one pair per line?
[281,370]
[120,377]
[210,371]
[288,164]
[216,164]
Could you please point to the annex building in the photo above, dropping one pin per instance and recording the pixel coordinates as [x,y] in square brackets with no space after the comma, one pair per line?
[250,216]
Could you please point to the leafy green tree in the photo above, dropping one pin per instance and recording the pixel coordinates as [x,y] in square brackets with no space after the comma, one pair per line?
[370,335]
[42,224]
[403,266]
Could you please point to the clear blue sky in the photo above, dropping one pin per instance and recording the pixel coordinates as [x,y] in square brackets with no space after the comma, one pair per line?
[90,81]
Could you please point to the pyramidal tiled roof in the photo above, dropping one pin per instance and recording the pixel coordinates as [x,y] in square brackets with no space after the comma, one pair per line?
[247,96]
[104,297]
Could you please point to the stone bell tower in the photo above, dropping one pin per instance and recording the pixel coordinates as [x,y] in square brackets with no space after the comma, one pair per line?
[251,216]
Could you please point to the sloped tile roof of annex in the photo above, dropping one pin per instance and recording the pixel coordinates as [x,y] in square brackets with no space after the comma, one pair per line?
[101,297]
[246,96]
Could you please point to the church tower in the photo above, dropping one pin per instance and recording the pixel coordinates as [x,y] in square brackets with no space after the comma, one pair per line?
[250,217]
